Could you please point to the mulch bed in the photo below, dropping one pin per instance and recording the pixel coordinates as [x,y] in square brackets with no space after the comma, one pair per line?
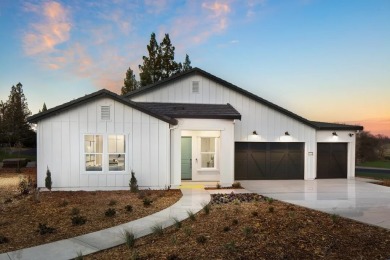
[244,226]
[21,215]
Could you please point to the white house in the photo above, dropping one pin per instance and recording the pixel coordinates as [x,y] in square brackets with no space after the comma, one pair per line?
[191,126]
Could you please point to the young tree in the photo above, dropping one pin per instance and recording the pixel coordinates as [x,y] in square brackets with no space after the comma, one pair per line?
[15,116]
[169,66]
[130,83]
[44,108]
[187,64]
[150,71]
[48,181]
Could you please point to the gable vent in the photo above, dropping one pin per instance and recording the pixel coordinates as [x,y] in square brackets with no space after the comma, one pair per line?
[195,86]
[105,112]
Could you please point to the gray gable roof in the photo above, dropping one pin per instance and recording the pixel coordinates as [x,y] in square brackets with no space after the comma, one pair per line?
[187,110]
[197,71]
[97,95]
[332,126]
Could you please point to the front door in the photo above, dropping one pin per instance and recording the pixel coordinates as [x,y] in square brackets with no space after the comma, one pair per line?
[186,158]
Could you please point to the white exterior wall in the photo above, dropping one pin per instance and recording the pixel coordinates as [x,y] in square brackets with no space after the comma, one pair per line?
[60,141]
[269,124]
[342,137]
[196,128]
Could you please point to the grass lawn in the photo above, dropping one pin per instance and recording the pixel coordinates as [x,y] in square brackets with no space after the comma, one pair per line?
[6,153]
[379,176]
[376,164]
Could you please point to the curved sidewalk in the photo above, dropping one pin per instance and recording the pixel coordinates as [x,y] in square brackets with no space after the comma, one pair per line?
[192,199]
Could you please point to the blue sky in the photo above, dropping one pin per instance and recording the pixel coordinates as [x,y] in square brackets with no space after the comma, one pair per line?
[324,60]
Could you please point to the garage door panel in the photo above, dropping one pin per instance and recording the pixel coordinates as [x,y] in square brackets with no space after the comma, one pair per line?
[268,161]
[332,160]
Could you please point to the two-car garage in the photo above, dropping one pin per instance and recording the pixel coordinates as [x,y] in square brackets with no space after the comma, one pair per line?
[285,160]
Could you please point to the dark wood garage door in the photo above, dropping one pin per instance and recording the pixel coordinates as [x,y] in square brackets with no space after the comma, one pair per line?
[269,161]
[332,160]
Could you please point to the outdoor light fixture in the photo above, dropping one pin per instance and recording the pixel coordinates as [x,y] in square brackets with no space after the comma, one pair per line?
[350,134]
[334,134]
[254,132]
[287,133]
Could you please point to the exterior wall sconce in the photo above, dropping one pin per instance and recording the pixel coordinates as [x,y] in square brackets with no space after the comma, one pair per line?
[350,134]
[334,134]
[254,132]
[287,133]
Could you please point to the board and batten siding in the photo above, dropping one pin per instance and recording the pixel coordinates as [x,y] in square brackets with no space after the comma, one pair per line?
[269,124]
[61,147]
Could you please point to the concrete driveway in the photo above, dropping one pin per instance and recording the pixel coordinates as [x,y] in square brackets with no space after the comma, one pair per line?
[355,199]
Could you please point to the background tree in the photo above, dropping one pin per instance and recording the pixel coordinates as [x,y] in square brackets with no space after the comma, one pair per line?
[150,71]
[130,83]
[169,66]
[186,64]
[366,147]
[44,108]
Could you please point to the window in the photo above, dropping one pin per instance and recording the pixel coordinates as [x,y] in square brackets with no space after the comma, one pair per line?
[195,87]
[93,150]
[105,112]
[116,152]
[207,152]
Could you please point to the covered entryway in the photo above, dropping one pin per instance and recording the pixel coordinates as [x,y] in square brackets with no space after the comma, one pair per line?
[332,159]
[186,158]
[269,161]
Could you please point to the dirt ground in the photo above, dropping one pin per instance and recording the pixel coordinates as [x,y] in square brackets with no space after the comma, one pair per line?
[20,215]
[260,230]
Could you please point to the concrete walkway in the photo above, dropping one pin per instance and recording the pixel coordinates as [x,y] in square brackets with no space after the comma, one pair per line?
[355,199]
[192,200]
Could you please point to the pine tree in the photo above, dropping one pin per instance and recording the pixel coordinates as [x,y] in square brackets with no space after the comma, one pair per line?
[150,71]
[44,108]
[186,64]
[48,181]
[15,116]
[169,66]
[130,83]
[133,183]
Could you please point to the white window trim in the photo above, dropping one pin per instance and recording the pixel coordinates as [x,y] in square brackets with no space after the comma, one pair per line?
[216,155]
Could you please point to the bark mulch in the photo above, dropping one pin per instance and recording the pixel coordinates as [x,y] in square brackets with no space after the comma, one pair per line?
[21,215]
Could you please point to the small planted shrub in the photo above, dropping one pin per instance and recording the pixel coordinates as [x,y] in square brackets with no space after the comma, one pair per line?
[78,220]
[110,212]
[173,257]
[63,203]
[157,229]
[75,211]
[133,183]
[174,239]
[237,185]
[187,231]
[48,181]
[7,200]
[129,208]
[218,186]
[24,186]
[112,203]
[271,209]
[226,229]
[269,200]
[177,223]
[255,213]
[235,222]
[231,246]
[247,231]
[130,239]
[147,201]
[201,239]
[206,208]
[3,239]
[335,218]
[44,229]
[191,215]
[79,256]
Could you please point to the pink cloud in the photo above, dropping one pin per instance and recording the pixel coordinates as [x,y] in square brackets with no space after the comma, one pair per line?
[53,29]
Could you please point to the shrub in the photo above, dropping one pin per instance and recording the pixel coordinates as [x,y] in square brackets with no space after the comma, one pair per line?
[130,239]
[7,200]
[24,186]
[271,209]
[133,183]
[147,201]
[231,246]
[226,229]
[48,181]
[75,211]
[157,229]
[235,222]
[191,215]
[44,229]
[63,203]
[247,231]
[206,208]
[178,224]
[78,220]
[335,218]
[173,257]
[255,213]
[187,231]
[129,208]
[269,200]
[237,185]
[112,203]
[218,186]
[79,256]
[110,212]
[3,239]
[201,239]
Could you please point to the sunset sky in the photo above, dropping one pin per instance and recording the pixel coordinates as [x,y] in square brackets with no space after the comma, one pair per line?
[324,60]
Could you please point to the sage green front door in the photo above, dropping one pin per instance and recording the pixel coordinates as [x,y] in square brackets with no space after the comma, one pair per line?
[186,158]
